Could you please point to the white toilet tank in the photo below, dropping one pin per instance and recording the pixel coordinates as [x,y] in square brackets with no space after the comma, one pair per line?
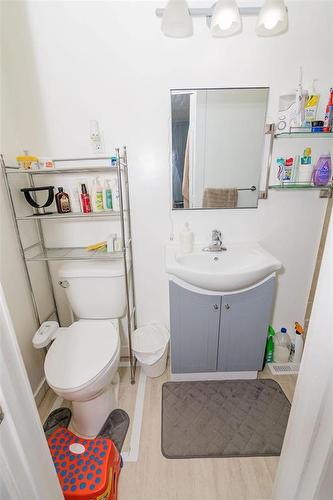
[95,290]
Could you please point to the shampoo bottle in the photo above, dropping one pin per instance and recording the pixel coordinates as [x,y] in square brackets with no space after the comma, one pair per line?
[97,196]
[186,239]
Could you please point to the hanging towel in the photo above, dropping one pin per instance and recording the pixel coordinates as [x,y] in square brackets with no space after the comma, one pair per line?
[186,175]
[220,198]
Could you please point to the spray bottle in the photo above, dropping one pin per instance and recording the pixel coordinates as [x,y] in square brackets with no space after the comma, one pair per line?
[299,344]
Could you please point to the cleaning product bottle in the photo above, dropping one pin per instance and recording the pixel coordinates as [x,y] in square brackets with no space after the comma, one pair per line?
[186,239]
[269,345]
[97,196]
[85,200]
[298,343]
[107,195]
[62,201]
[322,172]
[282,344]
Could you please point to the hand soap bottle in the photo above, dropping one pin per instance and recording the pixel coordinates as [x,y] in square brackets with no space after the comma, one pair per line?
[186,239]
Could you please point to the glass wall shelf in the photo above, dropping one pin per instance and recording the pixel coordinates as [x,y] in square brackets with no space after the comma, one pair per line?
[286,135]
[298,186]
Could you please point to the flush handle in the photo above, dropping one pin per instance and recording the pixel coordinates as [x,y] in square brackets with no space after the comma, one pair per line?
[215,306]
[227,307]
[64,283]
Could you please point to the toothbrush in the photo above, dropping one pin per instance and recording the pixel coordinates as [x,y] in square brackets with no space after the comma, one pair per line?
[299,100]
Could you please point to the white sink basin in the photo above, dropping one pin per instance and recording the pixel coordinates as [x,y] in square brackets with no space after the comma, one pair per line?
[241,266]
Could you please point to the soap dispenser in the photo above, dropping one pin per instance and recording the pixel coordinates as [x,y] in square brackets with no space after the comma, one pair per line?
[186,239]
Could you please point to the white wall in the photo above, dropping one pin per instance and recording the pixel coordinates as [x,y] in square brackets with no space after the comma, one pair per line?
[109,61]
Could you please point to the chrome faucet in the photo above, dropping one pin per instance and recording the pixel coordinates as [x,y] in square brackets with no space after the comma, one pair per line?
[216,243]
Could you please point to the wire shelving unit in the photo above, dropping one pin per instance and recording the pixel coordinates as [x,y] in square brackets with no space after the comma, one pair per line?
[38,252]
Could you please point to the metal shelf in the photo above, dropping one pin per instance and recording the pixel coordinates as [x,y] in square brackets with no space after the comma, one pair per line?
[64,170]
[79,254]
[70,216]
[62,254]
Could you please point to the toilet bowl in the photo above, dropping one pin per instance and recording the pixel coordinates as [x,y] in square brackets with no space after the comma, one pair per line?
[81,366]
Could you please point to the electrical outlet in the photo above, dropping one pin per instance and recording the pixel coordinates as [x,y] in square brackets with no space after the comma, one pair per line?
[97,145]
[96,138]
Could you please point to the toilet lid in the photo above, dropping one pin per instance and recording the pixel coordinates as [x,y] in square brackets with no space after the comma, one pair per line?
[80,353]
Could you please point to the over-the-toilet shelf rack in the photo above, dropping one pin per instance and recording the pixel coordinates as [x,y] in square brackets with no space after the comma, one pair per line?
[46,255]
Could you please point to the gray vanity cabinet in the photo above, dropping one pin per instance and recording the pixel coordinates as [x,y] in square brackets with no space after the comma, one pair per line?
[194,325]
[219,333]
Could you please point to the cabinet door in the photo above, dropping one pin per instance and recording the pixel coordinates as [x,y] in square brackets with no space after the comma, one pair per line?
[194,325]
[243,328]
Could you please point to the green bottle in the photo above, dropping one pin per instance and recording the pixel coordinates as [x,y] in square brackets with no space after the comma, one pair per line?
[269,345]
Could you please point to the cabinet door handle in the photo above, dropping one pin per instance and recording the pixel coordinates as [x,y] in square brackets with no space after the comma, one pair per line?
[227,306]
[215,306]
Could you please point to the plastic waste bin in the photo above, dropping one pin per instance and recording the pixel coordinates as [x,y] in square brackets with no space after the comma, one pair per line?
[150,346]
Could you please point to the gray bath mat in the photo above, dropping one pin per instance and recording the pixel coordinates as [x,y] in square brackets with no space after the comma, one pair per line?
[229,418]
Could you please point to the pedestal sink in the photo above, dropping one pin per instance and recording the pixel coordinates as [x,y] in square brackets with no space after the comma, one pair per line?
[241,266]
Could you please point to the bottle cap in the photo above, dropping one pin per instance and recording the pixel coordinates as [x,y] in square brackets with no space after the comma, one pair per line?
[283,330]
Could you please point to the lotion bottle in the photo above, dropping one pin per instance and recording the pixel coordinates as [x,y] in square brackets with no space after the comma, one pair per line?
[186,239]
[97,196]
[107,195]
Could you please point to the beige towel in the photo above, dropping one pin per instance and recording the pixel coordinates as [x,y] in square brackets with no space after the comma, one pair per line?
[220,198]
[186,175]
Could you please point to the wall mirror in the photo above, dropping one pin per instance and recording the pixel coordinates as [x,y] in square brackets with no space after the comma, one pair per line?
[217,147]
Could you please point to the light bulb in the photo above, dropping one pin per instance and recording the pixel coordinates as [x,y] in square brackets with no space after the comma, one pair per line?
[226,20]
[177,21]
[273,18]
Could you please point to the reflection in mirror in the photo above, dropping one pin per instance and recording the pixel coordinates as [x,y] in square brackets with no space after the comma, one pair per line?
[217,146]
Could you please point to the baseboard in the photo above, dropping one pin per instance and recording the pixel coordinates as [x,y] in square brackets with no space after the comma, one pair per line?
[188,377]
[40,392]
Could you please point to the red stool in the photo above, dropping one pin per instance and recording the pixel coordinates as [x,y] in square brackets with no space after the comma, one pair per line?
[88,469]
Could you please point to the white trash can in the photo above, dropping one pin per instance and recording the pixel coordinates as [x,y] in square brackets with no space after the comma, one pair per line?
[150,346]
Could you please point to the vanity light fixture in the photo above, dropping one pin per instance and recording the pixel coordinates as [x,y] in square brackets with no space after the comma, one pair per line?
[224,18]
[177,21]
[273,18]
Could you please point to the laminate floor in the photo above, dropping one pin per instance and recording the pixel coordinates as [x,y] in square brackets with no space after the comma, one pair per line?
[154,477]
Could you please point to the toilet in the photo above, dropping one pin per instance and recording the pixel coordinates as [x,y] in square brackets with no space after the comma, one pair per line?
[82,363]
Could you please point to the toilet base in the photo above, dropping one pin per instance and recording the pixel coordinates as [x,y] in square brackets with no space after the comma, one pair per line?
[89,416]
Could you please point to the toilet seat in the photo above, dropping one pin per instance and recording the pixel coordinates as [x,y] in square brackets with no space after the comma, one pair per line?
[81,353]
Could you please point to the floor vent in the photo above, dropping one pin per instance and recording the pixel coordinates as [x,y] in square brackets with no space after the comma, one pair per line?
[284,368]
